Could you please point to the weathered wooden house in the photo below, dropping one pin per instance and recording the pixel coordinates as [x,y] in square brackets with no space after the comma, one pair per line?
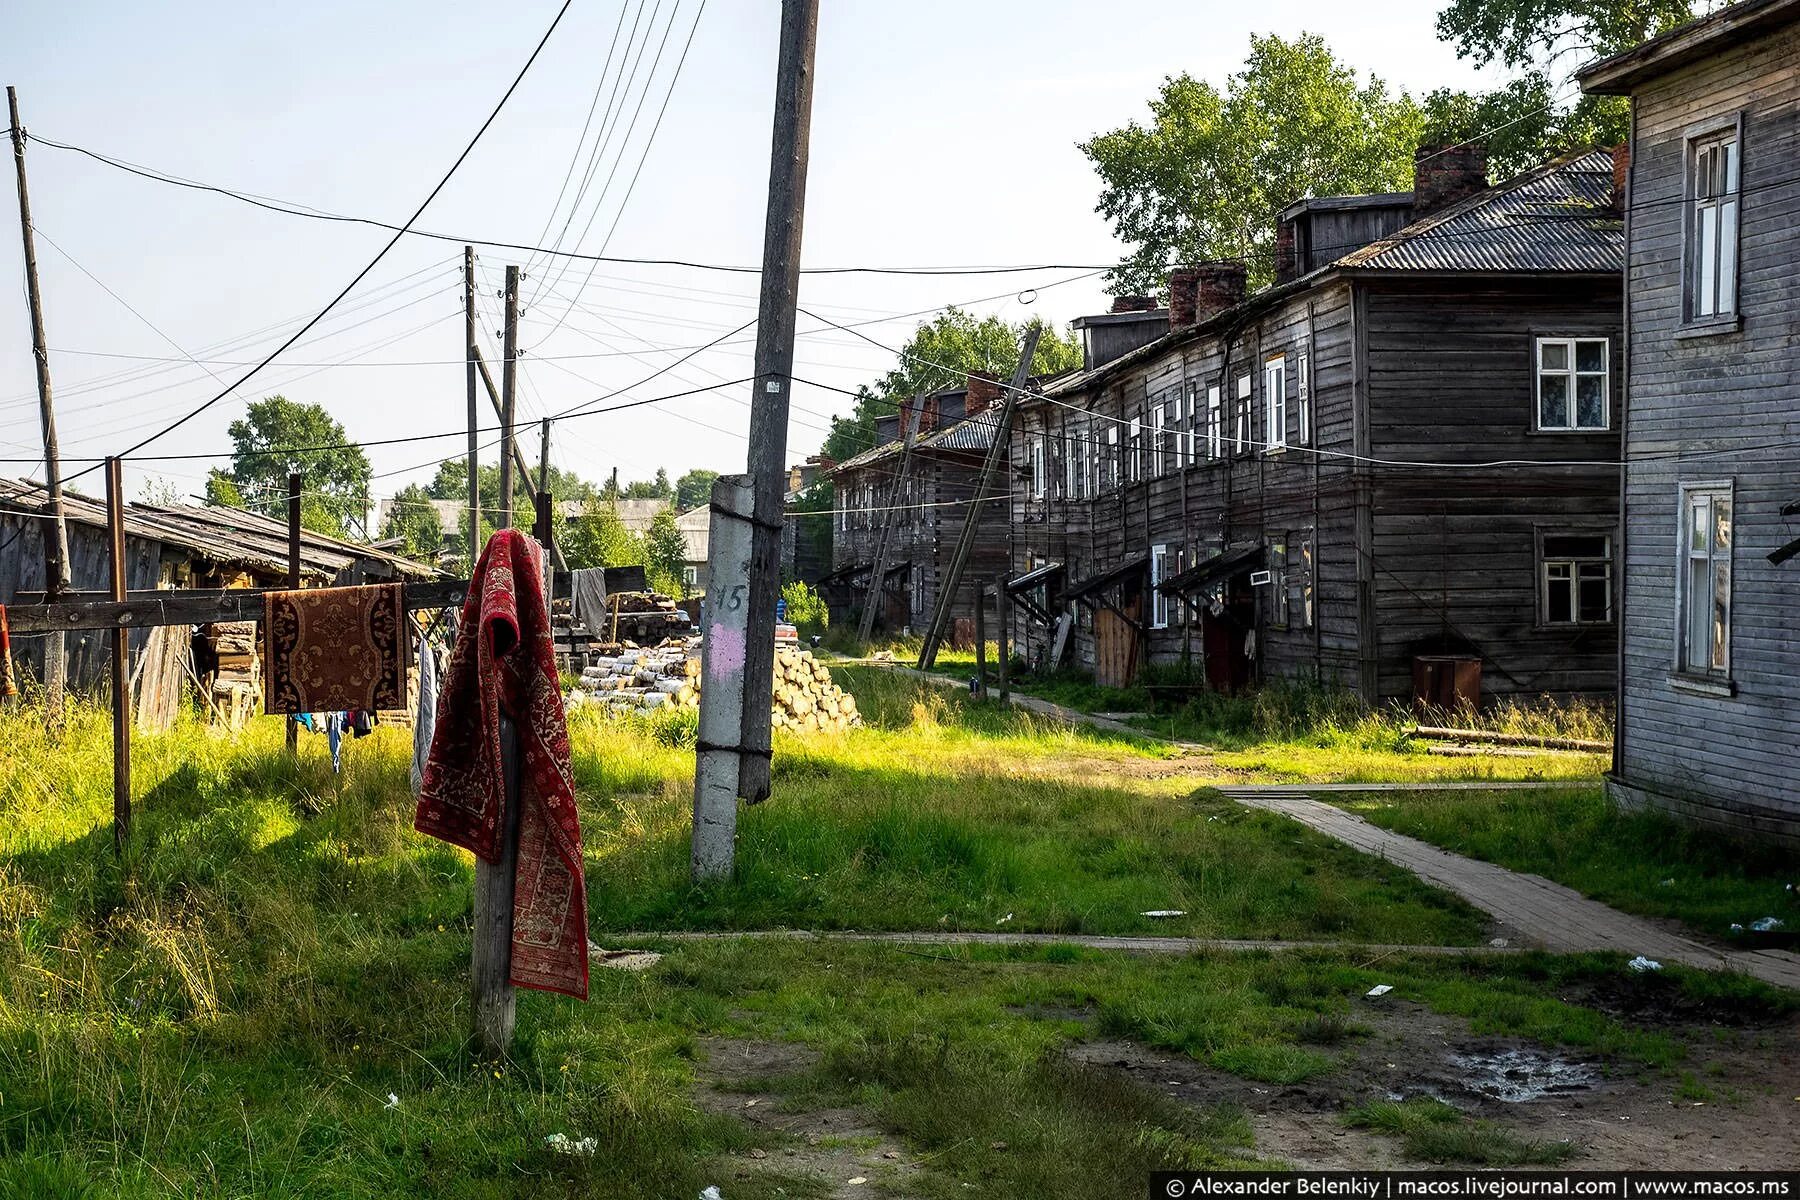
[917,500]
[167,547]
[1390,471]
[1709,686]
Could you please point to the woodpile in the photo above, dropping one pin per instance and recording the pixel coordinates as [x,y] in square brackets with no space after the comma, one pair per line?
[229,657]
[633,620]
[668,676]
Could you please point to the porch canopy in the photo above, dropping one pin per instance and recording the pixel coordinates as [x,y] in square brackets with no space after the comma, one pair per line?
[1020,588]
[1233,560]
[1093,590]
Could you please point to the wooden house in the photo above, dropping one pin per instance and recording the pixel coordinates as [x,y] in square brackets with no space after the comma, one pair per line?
[1709,677]
[917,499]
[1390,471]
[167,547]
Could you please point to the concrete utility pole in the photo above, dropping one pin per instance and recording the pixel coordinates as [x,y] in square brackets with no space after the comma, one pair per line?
[471,353]
[509,380]
[56,538]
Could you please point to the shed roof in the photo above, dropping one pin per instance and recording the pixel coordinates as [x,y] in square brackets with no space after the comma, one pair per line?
[1623,73]
[227,536]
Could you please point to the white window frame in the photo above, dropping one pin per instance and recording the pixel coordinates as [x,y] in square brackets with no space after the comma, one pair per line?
[1303,396]
[1112,455]
[1037,468]
[1240,423]
[1714,172]
[1159,424]
[1215,424]
[1134,450]
[1308,579]
[1278,576]
[1570,569]
[1572,375]
[1715,561]
[1275,405]
[1159,603]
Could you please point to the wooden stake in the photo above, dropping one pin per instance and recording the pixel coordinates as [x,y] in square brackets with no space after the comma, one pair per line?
[509,379]
[56,539]
[121,642]
[293,581]
[491,998]
[980,642]
[1003,618]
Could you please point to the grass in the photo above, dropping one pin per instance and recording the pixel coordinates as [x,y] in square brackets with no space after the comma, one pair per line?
[226,1010]
[1432,1131]
[1640,862]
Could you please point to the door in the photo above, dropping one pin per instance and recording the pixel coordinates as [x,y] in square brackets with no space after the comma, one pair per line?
[1116,644]
[1224,634]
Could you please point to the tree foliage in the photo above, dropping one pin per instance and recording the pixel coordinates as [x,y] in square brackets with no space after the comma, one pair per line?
[599,538]
[270,442]
[940,353]
[694,488]
[1206,176]
[1554,35]
[658,488]
[451,482]
[413,518]
[665,553]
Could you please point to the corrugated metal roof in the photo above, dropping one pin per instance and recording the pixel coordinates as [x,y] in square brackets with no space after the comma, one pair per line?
[975,433]
[1557,217]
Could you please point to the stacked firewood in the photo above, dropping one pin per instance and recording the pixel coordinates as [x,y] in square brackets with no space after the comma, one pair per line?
[805,696]
[229,654]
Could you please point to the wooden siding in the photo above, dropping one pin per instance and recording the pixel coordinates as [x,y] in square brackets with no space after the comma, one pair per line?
[1723,407]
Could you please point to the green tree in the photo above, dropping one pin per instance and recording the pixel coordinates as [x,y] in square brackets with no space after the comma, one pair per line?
[651,489]
[598,538]
[1554,35]
[412,517]
[1522,124]
[940,354]
[451,482]
[270,442]
[665,553]
[694,488]
[1205,178]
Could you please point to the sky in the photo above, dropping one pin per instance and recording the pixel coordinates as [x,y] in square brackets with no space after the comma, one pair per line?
[944,134]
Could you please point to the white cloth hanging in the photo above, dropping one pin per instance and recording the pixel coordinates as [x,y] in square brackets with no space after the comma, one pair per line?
[425,718]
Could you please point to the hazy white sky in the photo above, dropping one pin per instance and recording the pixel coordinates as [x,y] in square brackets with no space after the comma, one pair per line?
[943,133]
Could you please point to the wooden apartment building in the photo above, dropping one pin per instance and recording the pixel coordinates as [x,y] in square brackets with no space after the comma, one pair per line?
[1389,471]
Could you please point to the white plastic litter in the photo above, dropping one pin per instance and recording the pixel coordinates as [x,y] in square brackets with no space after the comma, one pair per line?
[1165,912]
[393,1101]
[1640,963]
[1004,920]
[561,1144]
[1768,925]
[1380,989]
[711,1192]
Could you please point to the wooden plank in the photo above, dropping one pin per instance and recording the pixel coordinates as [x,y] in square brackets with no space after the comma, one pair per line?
[121,684]
[194,608]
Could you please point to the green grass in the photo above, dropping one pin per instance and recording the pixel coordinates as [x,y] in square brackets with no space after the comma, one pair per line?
[225,1010]
[1432,1131]
[1641,862]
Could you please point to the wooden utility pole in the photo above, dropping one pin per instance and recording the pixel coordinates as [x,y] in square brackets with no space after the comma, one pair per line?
[473,354]
[543,456]
[1003,651]
[121,642]
[980,690]
[521,468]
[965,544]
[509,379]
[293,581]
[56,538]
[876,585]
[773,372]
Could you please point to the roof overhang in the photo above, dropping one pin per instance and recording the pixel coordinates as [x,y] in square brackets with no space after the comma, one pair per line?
[1095,584]
[1625,73]
[1234,560]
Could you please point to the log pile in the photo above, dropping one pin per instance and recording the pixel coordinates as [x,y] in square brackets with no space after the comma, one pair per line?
[668,676]
[229,657]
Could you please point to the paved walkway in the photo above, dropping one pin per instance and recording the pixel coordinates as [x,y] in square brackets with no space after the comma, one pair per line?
[1544,913]
[1130,945]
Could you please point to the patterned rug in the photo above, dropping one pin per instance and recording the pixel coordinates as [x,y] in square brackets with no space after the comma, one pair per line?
[504,664]
[335,649]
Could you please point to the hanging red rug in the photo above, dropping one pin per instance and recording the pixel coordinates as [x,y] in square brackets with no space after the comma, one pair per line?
[504,664]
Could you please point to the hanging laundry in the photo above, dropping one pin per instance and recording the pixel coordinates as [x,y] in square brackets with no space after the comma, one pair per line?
[504,665]
[335,649]
[587,597]
[360,723]
[305,721]
[425,719]
[9,686]
[334,738]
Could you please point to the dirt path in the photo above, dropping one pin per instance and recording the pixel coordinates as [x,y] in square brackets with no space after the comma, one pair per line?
[1545,913]
[1130,945]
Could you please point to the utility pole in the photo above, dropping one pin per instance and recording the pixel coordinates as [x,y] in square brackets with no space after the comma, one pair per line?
[471,355]
[509,379]
[878,581]
[543,456]
[56,538]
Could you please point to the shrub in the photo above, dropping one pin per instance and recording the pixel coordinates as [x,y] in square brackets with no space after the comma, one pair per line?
[806,609]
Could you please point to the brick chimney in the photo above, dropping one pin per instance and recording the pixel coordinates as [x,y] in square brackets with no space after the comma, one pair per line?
[1287,257]
[1443,175]
[1621,156]
[928,413]
[984,389]
[1133,304]
[1200,292]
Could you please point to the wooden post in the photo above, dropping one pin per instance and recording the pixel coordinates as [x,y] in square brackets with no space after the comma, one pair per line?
[121,643]
[293,581]
[56,538]
[980,642]
[491,997]
[544,458]
[474,357]
[509,379]
[1003,618]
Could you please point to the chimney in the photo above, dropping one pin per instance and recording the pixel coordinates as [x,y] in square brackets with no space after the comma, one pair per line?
[1133,304]
[1203,291]
[928,413]
[984,390]
[1621,156]
[1287,258]
[1443,175]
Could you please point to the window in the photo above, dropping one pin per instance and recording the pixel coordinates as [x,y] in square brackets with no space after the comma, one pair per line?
[1712,228]
[1303,397]
[1240,433]
[1304,580]
[1071,469]
[1037,469]
[1278,585]
[1275,404]
[1215,425]
[1112,456]
[1184,437]
[1134,450]
[1159,414]
[1704,588]
[1577,578]
[1159,602]
[690,576]
[1572,384]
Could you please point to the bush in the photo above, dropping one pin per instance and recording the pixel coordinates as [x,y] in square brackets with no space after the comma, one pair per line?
[806,609]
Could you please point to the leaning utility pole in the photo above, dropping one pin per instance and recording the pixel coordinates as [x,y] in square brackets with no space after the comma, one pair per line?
[471,354]
[747,667]
[509,380]
[56,538]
